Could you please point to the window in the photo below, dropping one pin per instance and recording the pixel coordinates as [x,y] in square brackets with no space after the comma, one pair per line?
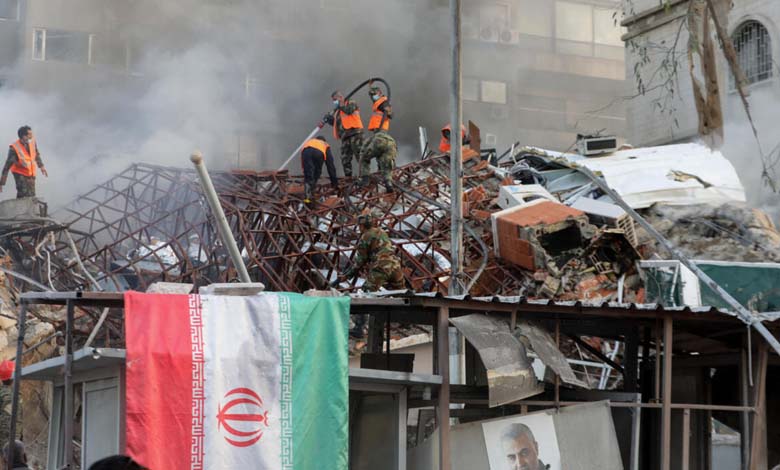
[754,51]
[64,46]
[108,50]
[39,44]
[574,22]
[605,27]
[534,17]
[470,87]
[9,10]
[493,92]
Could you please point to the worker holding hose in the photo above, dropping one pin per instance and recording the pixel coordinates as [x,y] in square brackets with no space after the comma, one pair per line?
[348,128]
[381,145]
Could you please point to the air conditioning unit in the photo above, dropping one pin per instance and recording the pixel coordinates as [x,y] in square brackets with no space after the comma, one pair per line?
[489,34]
[508,36]
[490,140]
[590,145]
[499,113]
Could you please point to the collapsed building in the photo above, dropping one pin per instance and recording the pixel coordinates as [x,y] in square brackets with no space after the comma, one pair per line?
[537,230]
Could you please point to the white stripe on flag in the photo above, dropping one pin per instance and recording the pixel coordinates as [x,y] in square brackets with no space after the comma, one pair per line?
[243,382]
[196,336]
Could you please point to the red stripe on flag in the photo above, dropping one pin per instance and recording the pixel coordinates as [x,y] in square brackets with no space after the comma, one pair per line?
[164,380]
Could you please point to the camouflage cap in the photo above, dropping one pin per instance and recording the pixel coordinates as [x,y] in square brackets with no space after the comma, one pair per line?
[374,90]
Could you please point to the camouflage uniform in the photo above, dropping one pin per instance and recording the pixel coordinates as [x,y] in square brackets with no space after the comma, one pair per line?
[6,397]
[384,267]
[382,147]
[351,139]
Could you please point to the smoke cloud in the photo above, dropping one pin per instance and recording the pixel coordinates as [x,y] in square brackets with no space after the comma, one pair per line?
[244,81]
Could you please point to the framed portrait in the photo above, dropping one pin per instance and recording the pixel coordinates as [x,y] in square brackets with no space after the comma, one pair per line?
[522,443]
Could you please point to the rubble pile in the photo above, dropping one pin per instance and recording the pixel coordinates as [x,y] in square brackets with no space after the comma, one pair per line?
[536,226]
[731,232]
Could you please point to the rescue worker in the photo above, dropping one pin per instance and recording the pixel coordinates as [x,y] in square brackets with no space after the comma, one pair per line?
[381,145]
[381,111]
[315,152]
[6,402]
[376,251]
[384,268]
[348,128]
[444,143]
[23,160]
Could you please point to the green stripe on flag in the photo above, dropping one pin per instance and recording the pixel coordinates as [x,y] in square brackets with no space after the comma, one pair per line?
[320,380]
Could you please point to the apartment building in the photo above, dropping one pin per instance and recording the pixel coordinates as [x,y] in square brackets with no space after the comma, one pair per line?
[535,71]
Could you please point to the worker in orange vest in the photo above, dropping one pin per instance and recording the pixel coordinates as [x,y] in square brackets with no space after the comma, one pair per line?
[381,111]
[316,152]
[348,128]
[444,143]
[23,160]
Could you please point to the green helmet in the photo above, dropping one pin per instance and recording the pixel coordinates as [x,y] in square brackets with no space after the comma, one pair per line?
[374,90]
[367,218]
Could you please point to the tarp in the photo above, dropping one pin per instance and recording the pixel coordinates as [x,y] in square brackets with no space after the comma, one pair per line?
[218,382]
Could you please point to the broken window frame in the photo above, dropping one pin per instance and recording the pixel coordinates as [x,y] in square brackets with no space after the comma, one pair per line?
[39,44]
[42,37]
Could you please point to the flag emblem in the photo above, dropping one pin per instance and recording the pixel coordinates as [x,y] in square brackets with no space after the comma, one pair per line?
[242,417]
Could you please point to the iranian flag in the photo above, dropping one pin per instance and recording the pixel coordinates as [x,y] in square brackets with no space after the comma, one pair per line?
[222,382]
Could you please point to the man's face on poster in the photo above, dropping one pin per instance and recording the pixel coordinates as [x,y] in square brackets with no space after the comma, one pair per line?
[521,452]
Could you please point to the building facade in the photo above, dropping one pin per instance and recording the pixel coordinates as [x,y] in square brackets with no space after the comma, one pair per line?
[540,71]
[534,71]
[11,37]
[658,33]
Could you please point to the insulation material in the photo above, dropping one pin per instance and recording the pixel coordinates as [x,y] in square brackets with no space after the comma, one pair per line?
[716,183]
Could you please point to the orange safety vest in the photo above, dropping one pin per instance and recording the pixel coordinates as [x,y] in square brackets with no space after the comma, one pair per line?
[376,118]
[348,121]
[444,143]
[319,145]
[28,169]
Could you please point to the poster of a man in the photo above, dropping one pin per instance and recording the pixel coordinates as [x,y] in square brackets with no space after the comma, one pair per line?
[521,449]
[522,443]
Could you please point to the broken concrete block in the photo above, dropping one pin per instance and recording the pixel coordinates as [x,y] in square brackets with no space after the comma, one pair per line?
[550,287]
[603,213]
[170,288]
[230,288]
[534,236]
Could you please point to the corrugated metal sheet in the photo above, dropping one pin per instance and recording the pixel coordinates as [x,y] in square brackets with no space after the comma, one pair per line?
[542,303]
[509,372]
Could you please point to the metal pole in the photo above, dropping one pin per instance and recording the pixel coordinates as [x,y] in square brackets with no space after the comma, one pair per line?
[686,440]
[68,408]
[298,149]
[443,409]
[219,215]
[744,401]
[456,154]
[666,425]
[744,314]
[21,327]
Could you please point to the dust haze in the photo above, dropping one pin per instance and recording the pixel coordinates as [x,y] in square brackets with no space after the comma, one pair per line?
[244,81]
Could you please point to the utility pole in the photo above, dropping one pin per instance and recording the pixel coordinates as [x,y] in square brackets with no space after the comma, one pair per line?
[456,154]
